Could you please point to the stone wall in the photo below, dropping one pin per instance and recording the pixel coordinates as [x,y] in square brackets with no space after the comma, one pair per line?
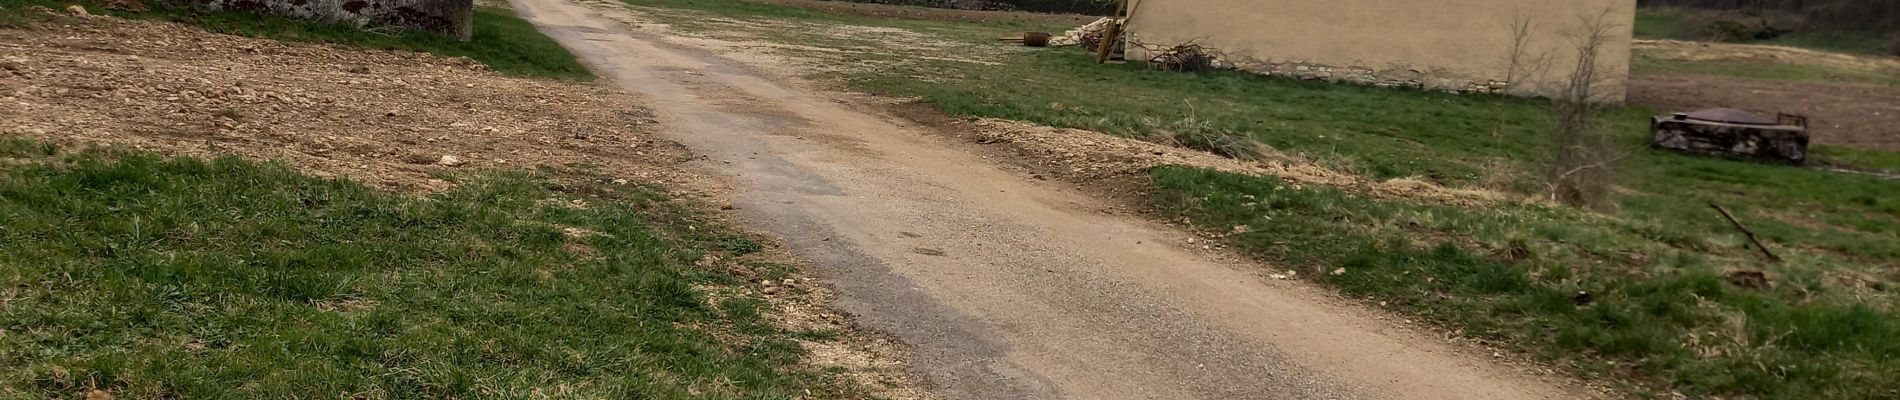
[1453,45]
[448,17]
[1389,77]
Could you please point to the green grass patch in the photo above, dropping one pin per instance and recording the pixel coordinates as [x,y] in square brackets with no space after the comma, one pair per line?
[1766,70]
[500,39]
[1383,133]
[1857,158]
[1646,295]
[155,277]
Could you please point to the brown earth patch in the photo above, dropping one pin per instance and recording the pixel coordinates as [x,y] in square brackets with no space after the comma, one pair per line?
[825,48]
[391,119]
[1846,114]
[1840,114]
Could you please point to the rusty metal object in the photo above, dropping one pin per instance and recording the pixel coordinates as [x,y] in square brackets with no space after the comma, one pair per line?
[1734,133]
[1031,39]
[1036,39]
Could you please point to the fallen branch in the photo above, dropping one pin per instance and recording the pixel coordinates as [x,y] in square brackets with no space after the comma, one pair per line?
[1185,57]
[1744,228]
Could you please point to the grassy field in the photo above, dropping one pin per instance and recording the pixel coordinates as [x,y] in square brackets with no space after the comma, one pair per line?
[152,277]
[1645,302]
[1781,71]
[500,40]
[1659,294]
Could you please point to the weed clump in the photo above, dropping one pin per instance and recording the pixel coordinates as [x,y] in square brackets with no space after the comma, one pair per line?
[1199,134]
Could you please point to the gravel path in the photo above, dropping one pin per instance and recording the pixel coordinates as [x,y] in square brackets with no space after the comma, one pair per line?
[1008,287]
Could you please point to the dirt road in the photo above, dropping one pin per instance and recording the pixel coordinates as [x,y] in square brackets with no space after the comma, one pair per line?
[1009,287]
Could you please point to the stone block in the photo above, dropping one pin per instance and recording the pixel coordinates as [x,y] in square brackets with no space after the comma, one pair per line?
[1780,142]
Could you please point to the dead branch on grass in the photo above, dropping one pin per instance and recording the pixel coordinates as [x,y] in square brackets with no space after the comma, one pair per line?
[1746,232]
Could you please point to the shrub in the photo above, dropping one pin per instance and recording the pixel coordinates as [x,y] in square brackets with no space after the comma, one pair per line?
[1736,26]
[1827,16]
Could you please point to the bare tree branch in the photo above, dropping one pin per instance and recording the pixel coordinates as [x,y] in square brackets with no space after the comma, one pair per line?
[1579,170]
[1522,65]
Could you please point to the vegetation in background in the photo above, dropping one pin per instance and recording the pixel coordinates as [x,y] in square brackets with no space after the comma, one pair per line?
[1660,292]
[500,40]
[1659,23]
[1673,23]
[1687,24]
[153,277]
[1821,16]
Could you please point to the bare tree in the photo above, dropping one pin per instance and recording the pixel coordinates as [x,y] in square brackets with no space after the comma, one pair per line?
[1524,65]
[1579,172]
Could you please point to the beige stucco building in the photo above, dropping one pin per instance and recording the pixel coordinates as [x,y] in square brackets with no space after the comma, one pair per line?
[1463,45]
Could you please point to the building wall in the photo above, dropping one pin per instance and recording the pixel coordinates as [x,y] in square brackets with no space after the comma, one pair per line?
[449,17]
[1463,45]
